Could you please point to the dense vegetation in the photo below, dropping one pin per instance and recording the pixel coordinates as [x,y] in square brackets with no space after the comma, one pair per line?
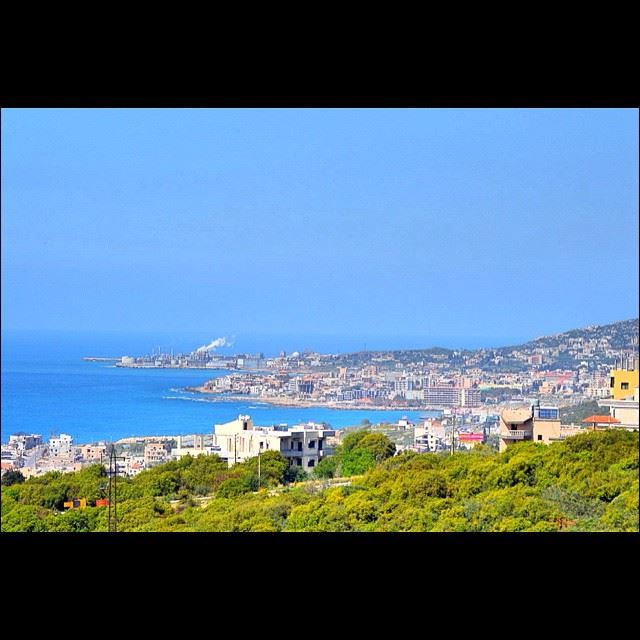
[577,413]
[585,483]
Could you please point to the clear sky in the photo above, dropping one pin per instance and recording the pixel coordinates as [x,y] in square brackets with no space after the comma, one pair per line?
[413,223]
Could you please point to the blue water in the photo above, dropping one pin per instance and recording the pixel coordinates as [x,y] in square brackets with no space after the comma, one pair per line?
[49,389]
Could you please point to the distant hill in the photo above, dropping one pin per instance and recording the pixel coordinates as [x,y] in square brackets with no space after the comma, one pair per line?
[594,345]
[620,335]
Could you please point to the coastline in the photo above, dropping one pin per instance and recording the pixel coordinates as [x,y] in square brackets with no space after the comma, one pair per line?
[290,402]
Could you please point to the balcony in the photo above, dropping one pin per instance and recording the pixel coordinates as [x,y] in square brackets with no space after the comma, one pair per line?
[516,434]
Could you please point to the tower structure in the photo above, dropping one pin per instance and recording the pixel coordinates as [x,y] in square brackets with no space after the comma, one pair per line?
[112,518]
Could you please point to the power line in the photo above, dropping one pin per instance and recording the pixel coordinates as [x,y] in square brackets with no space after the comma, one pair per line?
[112,499]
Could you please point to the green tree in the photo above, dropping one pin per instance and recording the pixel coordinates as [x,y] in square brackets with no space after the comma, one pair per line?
[273,468]
[586,483]
[295,473]
[12,476]
[327,467]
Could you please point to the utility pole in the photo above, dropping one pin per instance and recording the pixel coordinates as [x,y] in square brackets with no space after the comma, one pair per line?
[453,433]
[113,490]
[258,467]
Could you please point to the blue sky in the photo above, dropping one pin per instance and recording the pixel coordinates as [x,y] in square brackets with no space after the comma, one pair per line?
[411,223]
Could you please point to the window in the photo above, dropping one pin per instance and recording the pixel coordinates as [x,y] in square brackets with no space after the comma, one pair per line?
[312,444]
[613,381]
[311,463]
[624,385]
[262,445]
[299,446]
[320,445]
[539,437]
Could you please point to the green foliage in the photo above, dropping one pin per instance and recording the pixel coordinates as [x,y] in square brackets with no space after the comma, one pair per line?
[360,451]
[237,486]
[294,473]
[577,413]
[12,477]
[273,468]
[356,462]
[585,483]
[326,468]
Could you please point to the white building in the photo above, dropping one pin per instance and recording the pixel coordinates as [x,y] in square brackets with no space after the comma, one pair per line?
[198,449]
[303,445]
[61,446]
[627,410]
[134,465]
[23,441]
[429,436]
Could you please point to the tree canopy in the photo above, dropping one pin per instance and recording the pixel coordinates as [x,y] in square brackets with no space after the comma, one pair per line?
[588,482]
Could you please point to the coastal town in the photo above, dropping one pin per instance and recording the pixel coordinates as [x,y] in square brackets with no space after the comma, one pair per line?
[565,369]
[467,404]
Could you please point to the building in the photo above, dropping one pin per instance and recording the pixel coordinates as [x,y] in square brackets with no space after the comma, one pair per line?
[61,446]
[627,410]
[154,453]
[430,436]
[303,445]
[540,424]
[624,378]
[93,452]
[468,439]
[448,396]
[23,441]
[133,466]
[624,401]
[198,449]
[600,422]
[470,397]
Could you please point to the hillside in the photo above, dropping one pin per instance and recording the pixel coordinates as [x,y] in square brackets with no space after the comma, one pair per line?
[595,345]
[585,483]
[618,334]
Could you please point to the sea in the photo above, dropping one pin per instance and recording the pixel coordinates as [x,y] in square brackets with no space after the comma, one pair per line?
[48,389]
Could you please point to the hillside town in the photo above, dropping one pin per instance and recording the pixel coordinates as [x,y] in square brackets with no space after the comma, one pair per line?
[304,445]
[564,369]
[497,397]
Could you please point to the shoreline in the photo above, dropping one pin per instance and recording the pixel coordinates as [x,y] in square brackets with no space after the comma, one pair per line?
[304,404]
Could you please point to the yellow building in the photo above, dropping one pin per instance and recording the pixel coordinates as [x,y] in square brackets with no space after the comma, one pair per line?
[624,379]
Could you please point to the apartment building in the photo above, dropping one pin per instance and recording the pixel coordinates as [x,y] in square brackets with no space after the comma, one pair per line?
[448,396]
[93,452]
[21,442]
[198,449]
[303,445]
[624,401]
[154,453]
[536,423]
[61,446]
[624,378]
[627,410]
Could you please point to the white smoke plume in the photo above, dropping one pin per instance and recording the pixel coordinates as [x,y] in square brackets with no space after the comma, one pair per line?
[214,344]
